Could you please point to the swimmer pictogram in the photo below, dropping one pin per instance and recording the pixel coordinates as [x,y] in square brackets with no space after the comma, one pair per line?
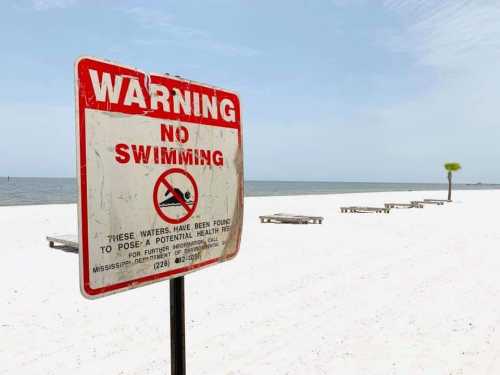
[175,197]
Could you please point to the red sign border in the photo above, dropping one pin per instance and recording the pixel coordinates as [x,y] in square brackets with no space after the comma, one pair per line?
[155,195]
[81,104]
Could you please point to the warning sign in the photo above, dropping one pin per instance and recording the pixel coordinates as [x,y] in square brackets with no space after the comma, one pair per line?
[160,176]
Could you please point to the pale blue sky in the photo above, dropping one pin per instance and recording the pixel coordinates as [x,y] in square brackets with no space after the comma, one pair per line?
[338,90]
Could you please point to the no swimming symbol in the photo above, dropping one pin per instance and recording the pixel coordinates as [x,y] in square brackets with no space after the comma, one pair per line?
[175,196]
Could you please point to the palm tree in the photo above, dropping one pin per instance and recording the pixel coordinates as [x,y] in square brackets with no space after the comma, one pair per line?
[451,167]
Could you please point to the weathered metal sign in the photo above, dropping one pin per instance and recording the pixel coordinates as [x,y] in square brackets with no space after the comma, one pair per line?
[160,176]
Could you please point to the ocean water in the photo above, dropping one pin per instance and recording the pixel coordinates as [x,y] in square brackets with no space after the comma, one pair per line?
[27,190]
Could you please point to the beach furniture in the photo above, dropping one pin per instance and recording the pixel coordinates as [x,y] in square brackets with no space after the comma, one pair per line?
[428,202]
[291,219]
[438,200]
[365,209]
[64,242]
[403,205]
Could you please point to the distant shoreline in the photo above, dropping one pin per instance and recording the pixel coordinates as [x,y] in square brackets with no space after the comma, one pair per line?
[295,181]
[21,191]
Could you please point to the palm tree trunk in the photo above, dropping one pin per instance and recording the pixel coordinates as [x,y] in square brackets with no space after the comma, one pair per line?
[449,185]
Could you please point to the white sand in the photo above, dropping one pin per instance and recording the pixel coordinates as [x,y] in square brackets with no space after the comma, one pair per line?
[412,292]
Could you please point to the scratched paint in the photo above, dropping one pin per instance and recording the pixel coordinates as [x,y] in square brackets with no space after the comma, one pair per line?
[160,175]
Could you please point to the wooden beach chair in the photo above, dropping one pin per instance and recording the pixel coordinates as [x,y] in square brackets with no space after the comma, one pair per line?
[66,242]
[403,205]
[357,209]
[290,219]
[428,202]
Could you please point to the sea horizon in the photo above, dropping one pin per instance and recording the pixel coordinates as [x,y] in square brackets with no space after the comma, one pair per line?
[286,180]
[16,191]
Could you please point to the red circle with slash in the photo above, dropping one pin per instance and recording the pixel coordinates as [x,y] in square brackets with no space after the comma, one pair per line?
[188,207]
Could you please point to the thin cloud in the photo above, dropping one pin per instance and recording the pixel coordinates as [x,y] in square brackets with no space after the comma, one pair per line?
[448,34]
[183,35]
[453,49]
[42,5]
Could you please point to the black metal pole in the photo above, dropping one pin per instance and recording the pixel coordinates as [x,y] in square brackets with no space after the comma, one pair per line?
[177,327]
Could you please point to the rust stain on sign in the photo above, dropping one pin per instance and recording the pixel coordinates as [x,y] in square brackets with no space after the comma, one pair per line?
[160,172]
[233,240]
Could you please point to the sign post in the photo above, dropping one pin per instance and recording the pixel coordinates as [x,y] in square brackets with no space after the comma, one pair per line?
[160,182]
[177,327]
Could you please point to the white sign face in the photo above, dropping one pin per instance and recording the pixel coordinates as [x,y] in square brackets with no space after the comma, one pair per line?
[160,176]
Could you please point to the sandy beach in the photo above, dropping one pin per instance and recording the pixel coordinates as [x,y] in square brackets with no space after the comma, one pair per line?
[410,292]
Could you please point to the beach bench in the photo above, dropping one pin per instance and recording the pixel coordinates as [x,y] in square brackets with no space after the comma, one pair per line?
[67,242]
[365,209]
[438,200]
[403,205]
[291,219]
[428,202]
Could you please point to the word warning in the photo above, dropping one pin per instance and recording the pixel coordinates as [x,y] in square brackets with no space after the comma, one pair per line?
[160,176]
